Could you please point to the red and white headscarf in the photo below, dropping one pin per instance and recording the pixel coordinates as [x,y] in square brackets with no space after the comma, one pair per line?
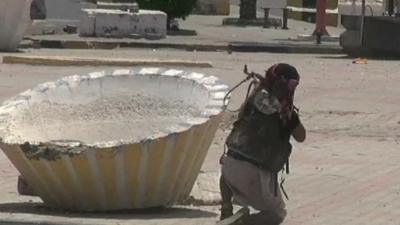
[284,78]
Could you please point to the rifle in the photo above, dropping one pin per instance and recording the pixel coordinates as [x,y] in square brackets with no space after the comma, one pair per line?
[256,79]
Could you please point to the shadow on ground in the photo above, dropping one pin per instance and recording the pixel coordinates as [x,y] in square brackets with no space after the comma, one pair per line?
[376,58]
[182,32]
[151,213]
[335,57]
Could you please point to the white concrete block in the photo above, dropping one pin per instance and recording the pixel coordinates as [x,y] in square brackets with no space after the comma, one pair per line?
[117,23]
[87,25]
[113,23]
[152,22]
[14,21]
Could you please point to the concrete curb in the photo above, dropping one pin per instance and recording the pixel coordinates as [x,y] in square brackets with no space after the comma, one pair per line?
[60,44]
[229,47]
[286,48]
[76,61]
[22,222]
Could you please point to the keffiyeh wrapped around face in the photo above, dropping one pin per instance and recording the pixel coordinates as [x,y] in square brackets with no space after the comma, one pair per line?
[281,81]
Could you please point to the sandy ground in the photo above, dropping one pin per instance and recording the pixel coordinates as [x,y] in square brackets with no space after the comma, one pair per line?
[347,172]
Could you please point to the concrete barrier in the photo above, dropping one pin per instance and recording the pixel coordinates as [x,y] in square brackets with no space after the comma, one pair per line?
[118,23]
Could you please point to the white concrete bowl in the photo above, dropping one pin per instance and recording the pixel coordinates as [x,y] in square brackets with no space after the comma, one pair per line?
[15,19]
[113,140]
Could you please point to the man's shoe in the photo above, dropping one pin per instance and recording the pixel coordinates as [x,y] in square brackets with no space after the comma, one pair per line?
[236,219]
[23,187]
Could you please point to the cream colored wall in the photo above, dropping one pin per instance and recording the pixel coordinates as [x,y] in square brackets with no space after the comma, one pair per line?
[271,3]
[213,7]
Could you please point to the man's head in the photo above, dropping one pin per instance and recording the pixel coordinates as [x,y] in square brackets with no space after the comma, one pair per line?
[281,81]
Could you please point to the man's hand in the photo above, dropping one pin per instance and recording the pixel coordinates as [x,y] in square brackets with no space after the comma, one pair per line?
[299,133]
[296,128]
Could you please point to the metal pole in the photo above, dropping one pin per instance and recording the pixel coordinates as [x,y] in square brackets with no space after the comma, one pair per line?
[320,25]
[391,7]
[362,23]
[285,18]
[266,17]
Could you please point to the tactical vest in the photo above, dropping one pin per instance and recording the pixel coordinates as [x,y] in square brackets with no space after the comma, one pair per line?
[261,138]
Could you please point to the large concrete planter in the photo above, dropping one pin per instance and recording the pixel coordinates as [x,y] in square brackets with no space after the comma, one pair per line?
[14,21]
[69,169]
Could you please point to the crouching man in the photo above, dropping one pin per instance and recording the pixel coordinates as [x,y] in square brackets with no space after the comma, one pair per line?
[259,148]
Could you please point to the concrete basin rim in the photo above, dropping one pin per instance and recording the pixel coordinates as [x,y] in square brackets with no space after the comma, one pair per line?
[216,105]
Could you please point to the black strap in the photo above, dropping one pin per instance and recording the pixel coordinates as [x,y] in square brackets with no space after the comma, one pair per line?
[287,167]
[283,180]
[283,189]
[275,184]
[280,185]
[221,159]
[238,156]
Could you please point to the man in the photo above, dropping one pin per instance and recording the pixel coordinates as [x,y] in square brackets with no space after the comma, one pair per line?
[259,148]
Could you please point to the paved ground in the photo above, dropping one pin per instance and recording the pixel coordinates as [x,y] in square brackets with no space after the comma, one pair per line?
[210,30]
[211,34]
[346,173]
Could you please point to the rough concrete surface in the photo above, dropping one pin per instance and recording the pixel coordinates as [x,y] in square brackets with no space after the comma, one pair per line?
[346,172]
[106,119]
